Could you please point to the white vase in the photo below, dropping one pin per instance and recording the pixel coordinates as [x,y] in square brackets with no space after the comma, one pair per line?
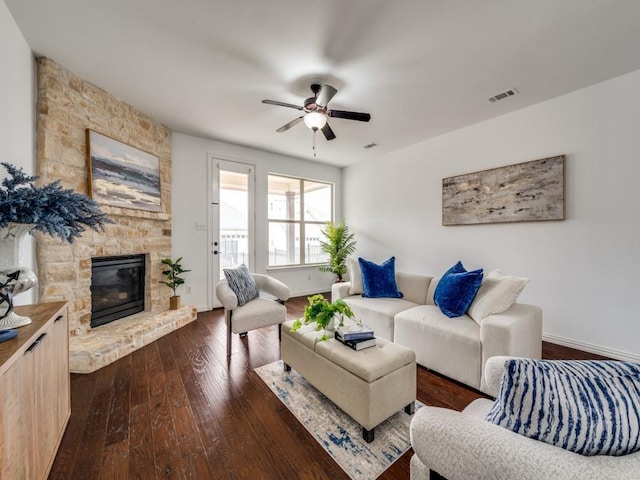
[13,278]
[11,238]
[331,326]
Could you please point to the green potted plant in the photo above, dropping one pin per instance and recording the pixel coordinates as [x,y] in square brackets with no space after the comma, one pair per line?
[339,243]
[173,279]
[323,313]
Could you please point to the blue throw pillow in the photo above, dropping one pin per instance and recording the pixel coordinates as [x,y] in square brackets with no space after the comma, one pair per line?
[242,283]
[379,280]
[456,290]
[589,407]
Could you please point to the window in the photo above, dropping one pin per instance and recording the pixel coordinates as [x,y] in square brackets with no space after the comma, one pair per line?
[297,211]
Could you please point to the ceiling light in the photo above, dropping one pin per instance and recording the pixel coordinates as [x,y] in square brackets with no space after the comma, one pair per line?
[315,120]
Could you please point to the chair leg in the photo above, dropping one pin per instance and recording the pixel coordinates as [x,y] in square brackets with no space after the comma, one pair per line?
[281,302]
[228,318]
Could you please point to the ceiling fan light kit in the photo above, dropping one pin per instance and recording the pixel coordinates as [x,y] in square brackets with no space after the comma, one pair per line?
[315,120]
[317,113]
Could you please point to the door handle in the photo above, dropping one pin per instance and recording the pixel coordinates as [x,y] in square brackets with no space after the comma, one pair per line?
[216,252]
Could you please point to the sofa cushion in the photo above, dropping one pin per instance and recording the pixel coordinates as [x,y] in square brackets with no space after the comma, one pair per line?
[355,276]
[378,313]
[496,294]
[456,290]
[588,407]
[450,346]
[379,280]
[242,283]
[414,287]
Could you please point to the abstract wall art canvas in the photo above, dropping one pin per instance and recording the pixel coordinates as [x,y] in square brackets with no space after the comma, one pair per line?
[121,175]
[525,192]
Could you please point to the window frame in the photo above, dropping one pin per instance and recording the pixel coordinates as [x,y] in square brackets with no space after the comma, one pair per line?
[301,221]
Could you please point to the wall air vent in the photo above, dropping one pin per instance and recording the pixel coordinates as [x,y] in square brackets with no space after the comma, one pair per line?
[503,95]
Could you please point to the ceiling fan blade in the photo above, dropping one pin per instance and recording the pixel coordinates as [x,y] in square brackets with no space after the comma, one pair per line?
[282,104]
[361,117]
[328,133]
[286,127]
[326,94]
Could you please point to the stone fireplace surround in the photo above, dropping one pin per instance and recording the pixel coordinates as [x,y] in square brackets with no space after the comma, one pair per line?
[66,106]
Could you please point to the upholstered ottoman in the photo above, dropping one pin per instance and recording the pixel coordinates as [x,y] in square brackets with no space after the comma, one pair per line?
[369,385]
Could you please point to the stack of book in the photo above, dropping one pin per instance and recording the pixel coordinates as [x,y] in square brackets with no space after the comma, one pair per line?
[357,339]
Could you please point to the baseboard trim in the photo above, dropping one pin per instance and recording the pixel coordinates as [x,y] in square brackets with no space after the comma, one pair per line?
[308,292]
[588,347]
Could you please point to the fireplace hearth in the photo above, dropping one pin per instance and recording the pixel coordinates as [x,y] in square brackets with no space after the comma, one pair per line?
[117,287]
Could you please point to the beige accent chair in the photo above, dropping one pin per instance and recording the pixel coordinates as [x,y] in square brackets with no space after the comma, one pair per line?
[260,312]
[462,445]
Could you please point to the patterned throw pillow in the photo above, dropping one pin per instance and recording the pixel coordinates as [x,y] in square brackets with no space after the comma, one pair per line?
[588,407]
[456,290]
[242,283]
[379,281]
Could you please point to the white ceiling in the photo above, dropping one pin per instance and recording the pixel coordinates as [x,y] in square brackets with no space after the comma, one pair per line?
[420,67]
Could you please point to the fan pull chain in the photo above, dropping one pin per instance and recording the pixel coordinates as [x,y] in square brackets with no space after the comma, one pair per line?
[314,141]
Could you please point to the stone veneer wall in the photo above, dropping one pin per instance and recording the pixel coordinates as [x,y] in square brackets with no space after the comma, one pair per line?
[68,105]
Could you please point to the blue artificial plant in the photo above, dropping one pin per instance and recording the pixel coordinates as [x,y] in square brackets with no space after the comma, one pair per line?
[52,209]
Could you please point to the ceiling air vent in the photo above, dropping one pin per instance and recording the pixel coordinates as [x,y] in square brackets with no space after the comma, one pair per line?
[370,145]
[505,94]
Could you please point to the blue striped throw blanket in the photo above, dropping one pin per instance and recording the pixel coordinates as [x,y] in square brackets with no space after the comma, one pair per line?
[585,406]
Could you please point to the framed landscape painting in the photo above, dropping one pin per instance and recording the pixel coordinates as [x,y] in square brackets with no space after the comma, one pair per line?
[525,192]
[121,175]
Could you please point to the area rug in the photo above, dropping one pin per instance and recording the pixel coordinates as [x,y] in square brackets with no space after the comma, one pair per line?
[338,434]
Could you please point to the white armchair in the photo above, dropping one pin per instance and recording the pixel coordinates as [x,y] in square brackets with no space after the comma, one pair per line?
[462,445]
[259,312]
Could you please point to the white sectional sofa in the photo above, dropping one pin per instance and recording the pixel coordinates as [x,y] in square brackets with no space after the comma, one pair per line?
[456,347]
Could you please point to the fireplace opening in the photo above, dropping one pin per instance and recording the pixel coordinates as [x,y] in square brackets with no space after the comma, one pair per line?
[117,287]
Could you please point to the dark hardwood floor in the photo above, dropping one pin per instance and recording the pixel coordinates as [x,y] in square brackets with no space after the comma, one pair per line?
[178,409]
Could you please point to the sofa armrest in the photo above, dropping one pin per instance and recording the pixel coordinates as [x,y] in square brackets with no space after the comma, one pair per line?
[340,290]
[516,332]
[272,286]
[461,446]
[493,371]
[226,296]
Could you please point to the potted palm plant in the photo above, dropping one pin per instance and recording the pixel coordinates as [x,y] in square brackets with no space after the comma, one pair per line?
[339,243]
[173,280]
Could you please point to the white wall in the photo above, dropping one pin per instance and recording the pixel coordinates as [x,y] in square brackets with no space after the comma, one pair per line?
[189,205]
[584,270]
[17,129]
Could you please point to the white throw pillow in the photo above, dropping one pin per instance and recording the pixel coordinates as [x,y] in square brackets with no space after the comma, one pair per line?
[496,294]
[355,276]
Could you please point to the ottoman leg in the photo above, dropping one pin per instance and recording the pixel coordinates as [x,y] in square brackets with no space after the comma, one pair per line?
[287,367]
[368,435]
[411,408]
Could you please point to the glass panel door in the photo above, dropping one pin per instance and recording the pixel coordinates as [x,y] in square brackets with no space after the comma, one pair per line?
[233,219]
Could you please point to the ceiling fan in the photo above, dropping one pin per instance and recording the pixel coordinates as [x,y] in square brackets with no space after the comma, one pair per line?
[316,111]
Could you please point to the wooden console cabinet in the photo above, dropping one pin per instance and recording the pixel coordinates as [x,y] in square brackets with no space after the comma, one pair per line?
[34,392]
